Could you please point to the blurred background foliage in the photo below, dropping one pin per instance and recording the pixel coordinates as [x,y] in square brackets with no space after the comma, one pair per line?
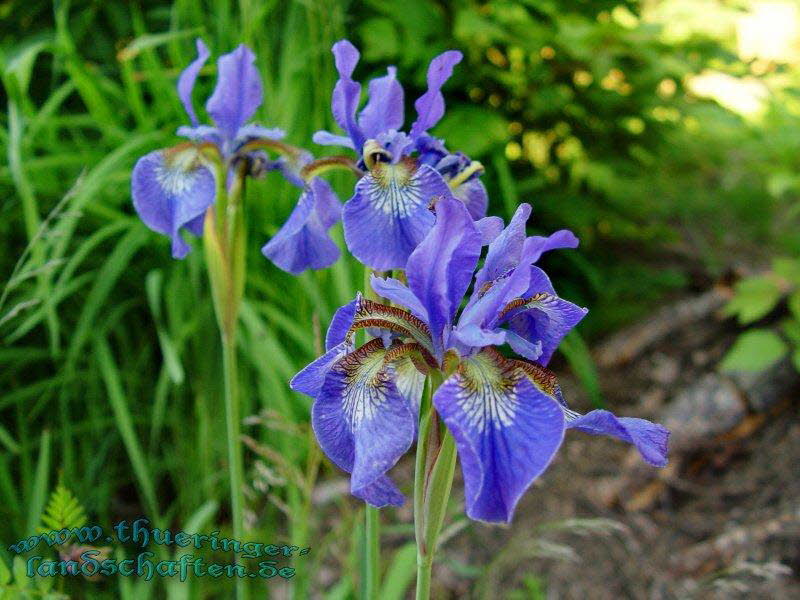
[663,132]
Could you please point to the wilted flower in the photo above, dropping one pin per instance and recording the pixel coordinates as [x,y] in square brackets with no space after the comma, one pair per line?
[507,416]
[173,187]
[405,172]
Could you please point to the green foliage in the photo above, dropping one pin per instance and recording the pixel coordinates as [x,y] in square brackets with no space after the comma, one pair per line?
[757,297]
[754,350]
[16,585]
[754,298]
[63,511]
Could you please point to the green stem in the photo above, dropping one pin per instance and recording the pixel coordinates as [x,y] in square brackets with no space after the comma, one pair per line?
[433,479]
[233,426]
[372,534]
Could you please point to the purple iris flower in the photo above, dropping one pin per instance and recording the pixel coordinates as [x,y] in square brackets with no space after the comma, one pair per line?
[508,416]
[405,172]
[172,188]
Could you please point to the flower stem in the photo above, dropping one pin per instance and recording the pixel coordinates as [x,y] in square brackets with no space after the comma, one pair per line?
[233,421]
[433,478]
[372,534]
[224,245]
[372,531]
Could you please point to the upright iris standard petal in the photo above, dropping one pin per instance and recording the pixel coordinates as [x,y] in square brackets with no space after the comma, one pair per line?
[346,92]
[430,106]
[238,92]
[440,269]
[188,77]
[384,110]
[537,245]
[490,228]
[506,249]
[303,241]
[170,190]
[506,431]
[388,215]
[650,439]
[364,423]
[541,315]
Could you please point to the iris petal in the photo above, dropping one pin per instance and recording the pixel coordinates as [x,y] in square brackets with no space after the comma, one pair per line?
[506,250]
[310,379]
[384,110]
[490,228]
[537,245]
[542,316]
[650,439]
[506,431]
[170,190]
[397,292]
[430,106]
[440,269]
[326,138]
[188,77]
[303,241]
[238,92]
[363,423]
[341,323]
[346,92]
[390,207]
[473,194]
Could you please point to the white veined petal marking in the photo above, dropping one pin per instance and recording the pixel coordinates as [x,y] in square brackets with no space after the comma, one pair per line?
[178,170]
[487,395]
[395,189]
[367,381]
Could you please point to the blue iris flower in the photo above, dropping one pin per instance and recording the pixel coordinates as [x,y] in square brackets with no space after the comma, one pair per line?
[507,416]
[173,187]
[405,172]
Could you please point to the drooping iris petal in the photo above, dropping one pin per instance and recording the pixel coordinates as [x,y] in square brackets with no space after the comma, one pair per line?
[363,423]
[506,432]
[536,245]
[188,77]
[430,106]
[310,379]
[397,292]
[303,241]
[170,190]
[384,110]
[440,269]
[346,92]
[541,315]
[238,92]
[650,439]
[388,214]
[505,251]
[473,194]
[341,323]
